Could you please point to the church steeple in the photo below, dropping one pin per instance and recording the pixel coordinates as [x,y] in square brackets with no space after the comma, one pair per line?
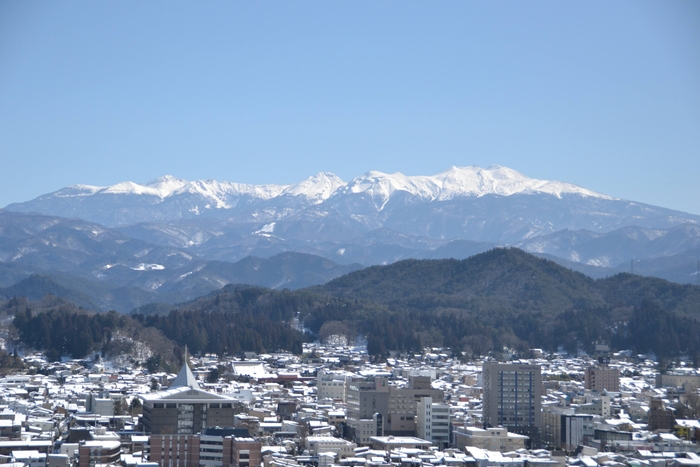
[185,378]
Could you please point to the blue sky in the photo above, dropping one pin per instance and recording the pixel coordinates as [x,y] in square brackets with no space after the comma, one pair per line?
[602,94]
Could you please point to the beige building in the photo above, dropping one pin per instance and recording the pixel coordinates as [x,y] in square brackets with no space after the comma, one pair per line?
[340,447]
[602,378]
[330,386]
[389,410]
[491,439]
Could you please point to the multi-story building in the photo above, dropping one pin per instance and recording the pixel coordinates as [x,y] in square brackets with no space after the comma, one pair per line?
[184,408]
[595,405]
[660,418]
[91,453]
[381,409]
[602,378]
[341,448]
[563,428]
[433,422]
[492,439]
[513,398]
[330,386]
[204,450]
[677,380]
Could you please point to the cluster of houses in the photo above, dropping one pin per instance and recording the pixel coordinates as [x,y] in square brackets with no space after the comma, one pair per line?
[334,407]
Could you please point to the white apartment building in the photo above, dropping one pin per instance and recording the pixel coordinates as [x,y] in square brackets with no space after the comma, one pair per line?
[330,386]
[433,422]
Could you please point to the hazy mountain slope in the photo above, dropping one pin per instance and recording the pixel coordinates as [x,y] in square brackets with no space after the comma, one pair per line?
[120,272]
[36,286]
[611,249]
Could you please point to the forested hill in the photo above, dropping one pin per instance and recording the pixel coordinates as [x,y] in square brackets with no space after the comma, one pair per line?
[505,279]
[499,279]
[500,298]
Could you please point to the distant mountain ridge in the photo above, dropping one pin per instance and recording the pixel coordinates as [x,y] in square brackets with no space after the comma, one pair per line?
[114,271]
[380,218]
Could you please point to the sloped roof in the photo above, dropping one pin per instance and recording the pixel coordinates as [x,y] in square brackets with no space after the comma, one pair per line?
[185,378]
[185,394]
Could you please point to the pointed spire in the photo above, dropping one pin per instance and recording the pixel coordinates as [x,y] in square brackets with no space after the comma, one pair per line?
[185,378]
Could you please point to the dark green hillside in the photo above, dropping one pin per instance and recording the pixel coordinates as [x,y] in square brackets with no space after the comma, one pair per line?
[500,279]
[500,298]
[235,318]
[630,290]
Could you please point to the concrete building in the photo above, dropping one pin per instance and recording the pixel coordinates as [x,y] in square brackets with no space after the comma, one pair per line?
[433,422]
[91,453]
[330,386]
[512,398]
[390,443]
[601,378]
[99,403]
[323,444]
[396,407]
[677,380]
[184,408]
[595,405]
[660,418]
[204,451]
[563,428]
[492,439]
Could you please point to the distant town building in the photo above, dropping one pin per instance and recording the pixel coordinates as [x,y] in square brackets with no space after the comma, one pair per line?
[330,386]
[513,398]
[660,418]
[375,408]
[602,378]
[492,439]
[433,422]
[563,428]
[184,408]
[205,450]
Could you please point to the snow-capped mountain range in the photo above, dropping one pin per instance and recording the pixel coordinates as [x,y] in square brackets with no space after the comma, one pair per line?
[456,182]
[379,218]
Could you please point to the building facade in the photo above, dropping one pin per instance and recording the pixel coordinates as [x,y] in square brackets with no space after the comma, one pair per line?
[513,398]
[433,422]
[184,408]
[602,378]
[204,451]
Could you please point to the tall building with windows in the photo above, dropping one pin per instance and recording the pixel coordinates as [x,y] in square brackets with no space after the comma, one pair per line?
[433,422]
[375,408]
[601,377]
[513,398]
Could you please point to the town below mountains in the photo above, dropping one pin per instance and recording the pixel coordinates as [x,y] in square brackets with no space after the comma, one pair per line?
[475,318]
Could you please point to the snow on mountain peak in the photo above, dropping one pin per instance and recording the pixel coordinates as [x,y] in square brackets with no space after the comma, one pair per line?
[316,188]
[166,184]
[379,186]
[459,182]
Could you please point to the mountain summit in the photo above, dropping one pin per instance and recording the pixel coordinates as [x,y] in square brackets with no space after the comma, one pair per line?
[380,218]
[374,218]
[171,198]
